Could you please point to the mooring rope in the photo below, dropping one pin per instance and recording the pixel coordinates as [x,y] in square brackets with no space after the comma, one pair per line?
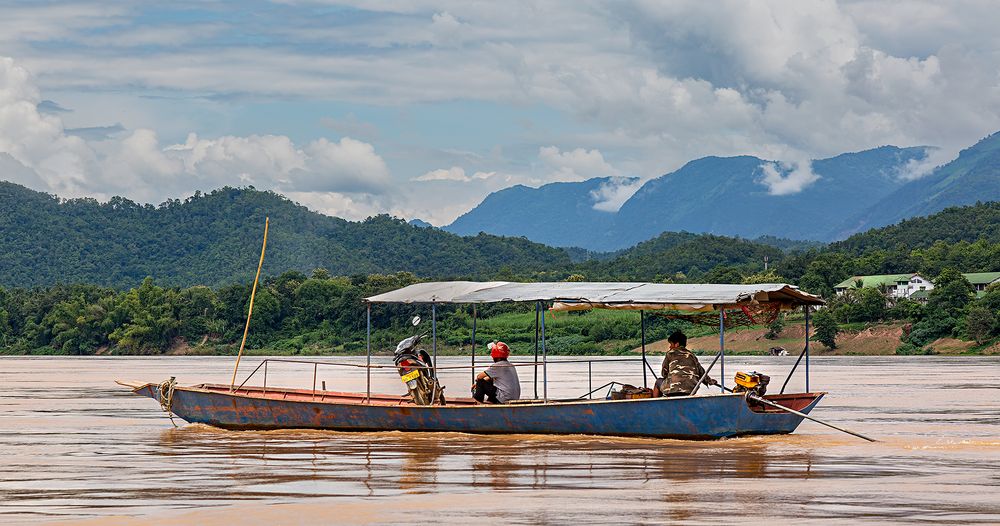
[167,397]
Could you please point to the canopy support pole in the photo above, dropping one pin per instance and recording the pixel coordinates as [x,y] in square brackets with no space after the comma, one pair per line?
[474,316]
[535,383]
[368,344]
[790,373]
[545,364]
[434,333]
[722,349]
[642,324]
[705,374]
[807,347]
[804,353]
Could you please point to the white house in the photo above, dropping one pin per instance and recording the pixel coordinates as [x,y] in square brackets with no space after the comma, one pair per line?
[896,285]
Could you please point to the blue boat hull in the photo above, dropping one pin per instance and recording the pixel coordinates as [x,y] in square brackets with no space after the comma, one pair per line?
[695,417]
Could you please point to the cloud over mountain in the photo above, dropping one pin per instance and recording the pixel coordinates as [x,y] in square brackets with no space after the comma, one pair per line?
[535,92]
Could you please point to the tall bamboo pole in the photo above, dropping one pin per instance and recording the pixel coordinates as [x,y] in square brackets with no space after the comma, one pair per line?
[253,293]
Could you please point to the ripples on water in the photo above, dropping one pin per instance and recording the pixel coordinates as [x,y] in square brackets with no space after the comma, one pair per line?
[76,447]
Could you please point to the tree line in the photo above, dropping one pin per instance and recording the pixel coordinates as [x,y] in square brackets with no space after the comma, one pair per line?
[292,307]
[135,278]
[294,311]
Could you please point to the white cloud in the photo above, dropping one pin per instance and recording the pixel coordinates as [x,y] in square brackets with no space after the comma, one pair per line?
[610,196]
[918,168]
[455,173]
[348,206]
[36,140]
[787,178]
[140,167]
[680,79]
[16,172]
[648,84]
[345,166]
[575,165]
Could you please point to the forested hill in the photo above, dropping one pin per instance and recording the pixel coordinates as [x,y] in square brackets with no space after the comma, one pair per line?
[214,239]
[682,256]
[951,225]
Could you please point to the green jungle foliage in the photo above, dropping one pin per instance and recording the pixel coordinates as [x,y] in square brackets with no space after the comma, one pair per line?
[951,225]
[80,277]
[323,314]
[682,257]
[208,239]
[826,329]
[293,314]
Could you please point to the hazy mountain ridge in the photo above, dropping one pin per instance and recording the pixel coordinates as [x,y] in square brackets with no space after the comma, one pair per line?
[556,214]
[974,176]
[714,195]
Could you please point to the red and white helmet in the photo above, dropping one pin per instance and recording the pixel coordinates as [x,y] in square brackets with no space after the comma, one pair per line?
[499,350]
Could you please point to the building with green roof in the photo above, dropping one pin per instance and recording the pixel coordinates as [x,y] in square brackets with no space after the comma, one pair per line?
[981,280]
[896,285]
[913,285]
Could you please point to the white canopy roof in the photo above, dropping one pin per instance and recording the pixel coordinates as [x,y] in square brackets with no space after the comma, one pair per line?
[585,295]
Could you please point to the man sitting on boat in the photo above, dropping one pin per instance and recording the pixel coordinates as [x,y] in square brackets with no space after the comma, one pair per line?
[681,369]
[498,384]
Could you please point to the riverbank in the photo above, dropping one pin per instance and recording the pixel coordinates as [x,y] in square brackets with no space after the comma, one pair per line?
[865,340]
[599,333]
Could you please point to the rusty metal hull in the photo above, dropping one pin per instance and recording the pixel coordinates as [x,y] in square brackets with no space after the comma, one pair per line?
[696,417]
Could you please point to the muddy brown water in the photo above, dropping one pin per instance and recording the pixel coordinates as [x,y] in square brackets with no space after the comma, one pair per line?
[77,448]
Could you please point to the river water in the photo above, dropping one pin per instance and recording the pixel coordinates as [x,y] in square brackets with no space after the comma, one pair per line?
[77,448]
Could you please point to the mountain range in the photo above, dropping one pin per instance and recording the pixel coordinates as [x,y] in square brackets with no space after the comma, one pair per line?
[709,204]
[972,177]
[727,196]
[212,239]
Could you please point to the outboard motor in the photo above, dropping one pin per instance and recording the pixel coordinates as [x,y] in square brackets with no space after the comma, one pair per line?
[416,370]
[752,382]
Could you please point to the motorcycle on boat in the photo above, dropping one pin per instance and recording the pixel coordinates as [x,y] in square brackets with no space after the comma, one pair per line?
[416,370]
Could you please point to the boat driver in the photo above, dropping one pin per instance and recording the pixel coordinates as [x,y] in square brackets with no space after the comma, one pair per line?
[498,384]
[681,369]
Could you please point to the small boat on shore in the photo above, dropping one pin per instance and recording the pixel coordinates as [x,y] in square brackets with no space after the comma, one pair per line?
[698,416]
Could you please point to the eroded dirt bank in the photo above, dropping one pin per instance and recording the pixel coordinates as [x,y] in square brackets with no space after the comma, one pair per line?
[882,339]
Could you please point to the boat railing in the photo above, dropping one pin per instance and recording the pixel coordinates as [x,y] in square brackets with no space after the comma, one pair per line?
[262,368]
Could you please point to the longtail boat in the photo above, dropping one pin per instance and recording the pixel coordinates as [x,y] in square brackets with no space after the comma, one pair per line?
[701,415]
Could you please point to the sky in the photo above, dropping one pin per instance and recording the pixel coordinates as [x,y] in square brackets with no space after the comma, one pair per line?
[422,108]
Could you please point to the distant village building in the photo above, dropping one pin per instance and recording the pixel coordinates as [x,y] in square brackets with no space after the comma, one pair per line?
[896,285]
[913,286]
[981,280]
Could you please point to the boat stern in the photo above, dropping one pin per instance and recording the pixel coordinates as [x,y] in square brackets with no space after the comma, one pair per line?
[759,419]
